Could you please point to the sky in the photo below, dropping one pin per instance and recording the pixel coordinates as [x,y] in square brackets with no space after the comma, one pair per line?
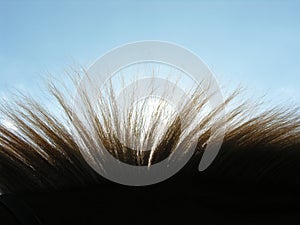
[255,44]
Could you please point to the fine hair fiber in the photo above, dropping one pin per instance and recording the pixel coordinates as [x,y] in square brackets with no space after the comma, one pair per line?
[261,145]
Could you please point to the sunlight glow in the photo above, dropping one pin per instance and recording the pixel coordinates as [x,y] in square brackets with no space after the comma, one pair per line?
[9,125]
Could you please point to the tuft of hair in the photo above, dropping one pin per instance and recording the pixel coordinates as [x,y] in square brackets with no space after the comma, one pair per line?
[40,150]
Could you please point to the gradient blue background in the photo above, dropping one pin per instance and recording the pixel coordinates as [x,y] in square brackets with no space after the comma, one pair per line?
[253,43]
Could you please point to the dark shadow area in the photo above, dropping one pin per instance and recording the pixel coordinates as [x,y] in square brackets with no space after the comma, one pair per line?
[186,198]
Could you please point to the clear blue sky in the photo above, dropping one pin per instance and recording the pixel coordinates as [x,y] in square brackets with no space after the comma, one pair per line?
[255,43]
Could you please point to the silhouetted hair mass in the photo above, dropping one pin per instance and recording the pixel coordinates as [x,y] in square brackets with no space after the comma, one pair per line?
[43,153]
